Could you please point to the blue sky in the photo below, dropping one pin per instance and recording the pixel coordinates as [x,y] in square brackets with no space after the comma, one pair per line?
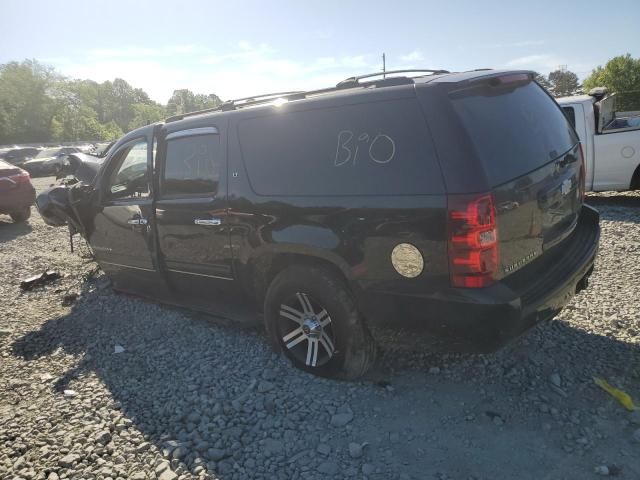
[245,48]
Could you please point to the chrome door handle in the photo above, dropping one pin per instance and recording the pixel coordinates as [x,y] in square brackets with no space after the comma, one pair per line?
[207,221]
[137,221]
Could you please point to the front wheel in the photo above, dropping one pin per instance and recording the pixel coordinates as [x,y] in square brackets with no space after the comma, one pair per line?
[311,317]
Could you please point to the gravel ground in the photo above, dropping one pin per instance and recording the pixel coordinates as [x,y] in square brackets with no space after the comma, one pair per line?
[192,396]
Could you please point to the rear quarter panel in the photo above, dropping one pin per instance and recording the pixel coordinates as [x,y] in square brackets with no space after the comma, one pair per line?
[356,234]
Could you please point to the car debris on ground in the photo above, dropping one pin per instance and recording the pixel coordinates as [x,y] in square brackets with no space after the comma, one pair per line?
[38,280]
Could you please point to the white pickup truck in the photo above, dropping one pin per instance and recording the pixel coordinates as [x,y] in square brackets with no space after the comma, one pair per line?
[610,140]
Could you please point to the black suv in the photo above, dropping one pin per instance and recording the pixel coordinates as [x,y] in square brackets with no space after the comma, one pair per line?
[451,201]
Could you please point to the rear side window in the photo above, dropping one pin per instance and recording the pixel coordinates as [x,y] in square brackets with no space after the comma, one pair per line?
[570,113]
[515,128]
[366,149]
[192,165]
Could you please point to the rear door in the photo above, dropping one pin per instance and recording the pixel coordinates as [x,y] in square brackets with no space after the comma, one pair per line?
[191,209]
[532,161]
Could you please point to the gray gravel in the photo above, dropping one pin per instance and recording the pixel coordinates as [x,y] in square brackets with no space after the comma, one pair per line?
[192,396]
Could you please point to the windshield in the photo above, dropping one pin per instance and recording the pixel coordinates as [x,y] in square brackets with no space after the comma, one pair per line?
[49,152]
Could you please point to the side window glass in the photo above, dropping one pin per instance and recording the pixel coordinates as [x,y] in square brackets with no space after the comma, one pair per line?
[131,179]
[192,165]
[570,113]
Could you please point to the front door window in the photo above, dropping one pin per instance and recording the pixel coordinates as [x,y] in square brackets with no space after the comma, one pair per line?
[131,178]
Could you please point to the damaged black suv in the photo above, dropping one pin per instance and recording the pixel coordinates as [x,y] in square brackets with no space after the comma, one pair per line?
[448,201]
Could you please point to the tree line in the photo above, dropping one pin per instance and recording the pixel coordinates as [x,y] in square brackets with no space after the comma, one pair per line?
[621,75]
[37,104]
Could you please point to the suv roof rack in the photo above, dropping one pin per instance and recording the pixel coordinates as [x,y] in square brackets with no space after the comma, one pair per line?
[238,102]
[231,104]
[355,81]
[351,82]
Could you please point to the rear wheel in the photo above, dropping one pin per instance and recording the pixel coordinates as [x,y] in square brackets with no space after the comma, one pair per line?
[21,215]
[311,317]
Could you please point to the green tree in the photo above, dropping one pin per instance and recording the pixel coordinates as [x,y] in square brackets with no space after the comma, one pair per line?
[621,75]
[185,101]
[38,105]
[77,122]
[146,115]
[542,80]
[26,108]
[563,83]
[111,131]
[115,101]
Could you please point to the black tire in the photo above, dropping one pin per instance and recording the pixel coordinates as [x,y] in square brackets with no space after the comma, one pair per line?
[329,308]
[21,215]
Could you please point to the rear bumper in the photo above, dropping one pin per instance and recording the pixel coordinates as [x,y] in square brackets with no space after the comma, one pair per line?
[14,200]
[489,317]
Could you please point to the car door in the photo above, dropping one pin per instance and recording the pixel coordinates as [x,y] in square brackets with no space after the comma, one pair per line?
[122,235]
[191,210]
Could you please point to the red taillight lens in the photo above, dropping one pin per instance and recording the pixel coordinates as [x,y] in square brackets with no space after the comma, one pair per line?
[22,177]
[473,240]
[583,174]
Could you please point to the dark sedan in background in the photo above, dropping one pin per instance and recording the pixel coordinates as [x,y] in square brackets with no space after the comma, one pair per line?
[18,156]
[49,161]
[16,192]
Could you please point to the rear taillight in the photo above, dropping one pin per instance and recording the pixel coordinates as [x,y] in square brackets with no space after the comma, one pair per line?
[22,177]
[473,240]
[583,174]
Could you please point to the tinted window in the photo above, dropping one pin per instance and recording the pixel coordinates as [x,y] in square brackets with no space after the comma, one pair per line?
[130,179]
[192,165]
[570,113]
[515,128]
[365,149]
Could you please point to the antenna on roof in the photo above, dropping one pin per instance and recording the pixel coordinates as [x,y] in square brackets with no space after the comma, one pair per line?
[384,66]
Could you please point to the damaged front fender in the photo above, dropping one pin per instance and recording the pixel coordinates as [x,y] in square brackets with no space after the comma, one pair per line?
[55,207]
[62,205]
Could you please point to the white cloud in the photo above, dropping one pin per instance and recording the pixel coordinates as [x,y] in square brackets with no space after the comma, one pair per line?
[247,52]
[538,62]
[141,52]
[545,63]
[251,69]
[414,56]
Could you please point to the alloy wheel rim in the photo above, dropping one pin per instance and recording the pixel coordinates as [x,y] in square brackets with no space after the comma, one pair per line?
[306,330]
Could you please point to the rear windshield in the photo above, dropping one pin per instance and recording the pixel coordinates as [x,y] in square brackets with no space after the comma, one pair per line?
[374,148]
[515,128]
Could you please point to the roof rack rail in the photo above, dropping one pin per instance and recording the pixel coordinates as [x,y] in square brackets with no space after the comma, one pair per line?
[354,81]
[232,104]
[258,98]
[351,82]
[180,116]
